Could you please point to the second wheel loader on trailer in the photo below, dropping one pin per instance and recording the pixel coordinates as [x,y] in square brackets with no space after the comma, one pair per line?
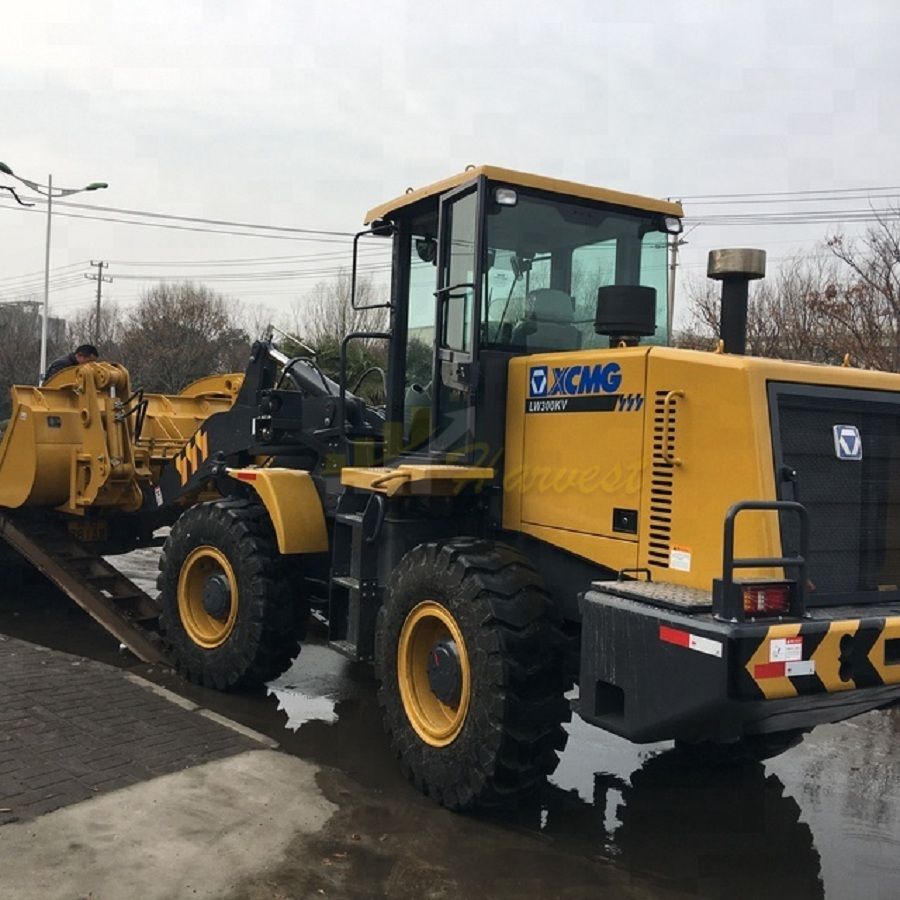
[706,544]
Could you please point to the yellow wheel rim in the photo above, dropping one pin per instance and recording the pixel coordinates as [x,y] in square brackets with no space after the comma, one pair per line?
[203,628]
[437,723]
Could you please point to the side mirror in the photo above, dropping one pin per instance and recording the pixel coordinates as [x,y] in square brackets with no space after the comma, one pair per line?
[426,249]
[379,228]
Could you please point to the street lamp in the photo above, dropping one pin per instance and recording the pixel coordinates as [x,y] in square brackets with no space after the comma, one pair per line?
[47,190]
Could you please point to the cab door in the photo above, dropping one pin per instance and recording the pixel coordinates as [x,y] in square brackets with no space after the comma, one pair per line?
[456,314]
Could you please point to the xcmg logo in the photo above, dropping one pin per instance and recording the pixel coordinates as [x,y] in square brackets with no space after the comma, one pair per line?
[590,388]
[574,381]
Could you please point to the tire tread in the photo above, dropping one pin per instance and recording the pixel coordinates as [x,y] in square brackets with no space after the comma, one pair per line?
[523,705]
[271,614]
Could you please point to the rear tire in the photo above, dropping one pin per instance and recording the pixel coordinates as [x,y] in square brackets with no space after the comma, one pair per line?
[495,731]
[229,614]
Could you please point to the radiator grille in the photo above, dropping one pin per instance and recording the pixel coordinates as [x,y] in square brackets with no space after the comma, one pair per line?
[661,484]
[853,505]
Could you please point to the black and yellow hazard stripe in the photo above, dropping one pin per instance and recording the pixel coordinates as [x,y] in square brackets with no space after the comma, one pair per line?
[840,655]
[191,456]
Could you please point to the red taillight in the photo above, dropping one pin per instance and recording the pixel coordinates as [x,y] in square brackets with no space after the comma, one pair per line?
[766,599]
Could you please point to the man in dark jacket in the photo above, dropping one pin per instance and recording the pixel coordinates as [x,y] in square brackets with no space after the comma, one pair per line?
[84,354]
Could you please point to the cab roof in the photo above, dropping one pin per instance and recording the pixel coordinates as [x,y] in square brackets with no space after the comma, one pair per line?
[524,179]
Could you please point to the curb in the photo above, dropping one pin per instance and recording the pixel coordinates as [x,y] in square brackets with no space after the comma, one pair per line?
[190,706]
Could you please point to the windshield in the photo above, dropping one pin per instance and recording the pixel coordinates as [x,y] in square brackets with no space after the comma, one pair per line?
[547,257]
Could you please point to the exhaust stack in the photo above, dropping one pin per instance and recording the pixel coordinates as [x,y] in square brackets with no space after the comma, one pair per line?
[735,268]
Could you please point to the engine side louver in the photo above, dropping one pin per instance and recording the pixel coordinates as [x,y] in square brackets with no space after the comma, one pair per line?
[661,482]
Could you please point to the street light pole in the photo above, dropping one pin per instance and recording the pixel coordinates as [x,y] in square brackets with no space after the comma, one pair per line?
[45,319]
[47,190]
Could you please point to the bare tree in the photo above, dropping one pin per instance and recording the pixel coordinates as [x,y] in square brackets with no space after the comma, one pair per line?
[864,308]
[844,298]
[178,333]
[784,318]
[20,327]
[82,329]
[326,316]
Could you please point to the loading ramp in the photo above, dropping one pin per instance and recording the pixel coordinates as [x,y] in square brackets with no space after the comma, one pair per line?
[113,600]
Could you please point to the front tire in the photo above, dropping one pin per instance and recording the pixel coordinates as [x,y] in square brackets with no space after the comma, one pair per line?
[471,674]
[228,611]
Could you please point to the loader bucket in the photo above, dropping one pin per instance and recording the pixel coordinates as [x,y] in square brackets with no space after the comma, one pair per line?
[69,443]
[172,419]
[34,457]
[72,443]
[46,433]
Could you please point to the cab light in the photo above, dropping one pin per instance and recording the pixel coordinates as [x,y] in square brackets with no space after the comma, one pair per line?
[766,599]
[672,224]
[505,196]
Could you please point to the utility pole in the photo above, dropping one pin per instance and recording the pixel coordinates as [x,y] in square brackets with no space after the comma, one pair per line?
[99,265]
[676,242]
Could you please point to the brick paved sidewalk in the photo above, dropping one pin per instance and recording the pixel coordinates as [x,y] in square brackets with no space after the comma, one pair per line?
[71,728]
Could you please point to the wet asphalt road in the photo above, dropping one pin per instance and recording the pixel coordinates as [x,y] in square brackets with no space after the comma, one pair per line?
[617,819]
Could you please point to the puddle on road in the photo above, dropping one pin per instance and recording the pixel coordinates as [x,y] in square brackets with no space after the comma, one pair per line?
[823,818]
[316,699]
[141,566]
[723,832]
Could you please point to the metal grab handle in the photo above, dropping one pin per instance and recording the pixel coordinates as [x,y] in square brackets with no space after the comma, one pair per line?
[666,451]
[384,480]
[452,287]
[727,600]
[342,362]
[798,561]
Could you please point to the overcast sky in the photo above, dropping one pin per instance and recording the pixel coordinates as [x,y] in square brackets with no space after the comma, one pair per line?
[305,114]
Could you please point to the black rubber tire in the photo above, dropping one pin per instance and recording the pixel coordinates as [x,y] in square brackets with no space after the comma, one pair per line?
[512,734]
[270,617]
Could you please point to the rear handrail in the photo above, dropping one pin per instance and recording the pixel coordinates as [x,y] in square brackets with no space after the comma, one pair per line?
[727,603]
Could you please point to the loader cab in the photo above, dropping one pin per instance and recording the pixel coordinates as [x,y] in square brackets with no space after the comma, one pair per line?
[493,264]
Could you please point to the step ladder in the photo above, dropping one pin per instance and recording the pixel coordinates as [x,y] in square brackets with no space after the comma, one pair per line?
[355,592]
[111,599]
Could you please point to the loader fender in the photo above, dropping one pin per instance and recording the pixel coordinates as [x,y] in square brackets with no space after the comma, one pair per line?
[293,504]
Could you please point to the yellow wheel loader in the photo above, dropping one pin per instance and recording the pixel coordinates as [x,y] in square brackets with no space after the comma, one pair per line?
[80,462]
[705,543]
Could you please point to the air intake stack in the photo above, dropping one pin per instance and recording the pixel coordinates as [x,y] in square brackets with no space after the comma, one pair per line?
[735,268]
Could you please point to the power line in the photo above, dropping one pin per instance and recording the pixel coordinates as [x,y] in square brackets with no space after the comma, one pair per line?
[66,281]
[822,217]
[770,200]
[252,276]
[824,191]
[36,284]
[33,275]
[196,219]
[198,229]
[55,287]
[369,252]
[73,277]
[203,221]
